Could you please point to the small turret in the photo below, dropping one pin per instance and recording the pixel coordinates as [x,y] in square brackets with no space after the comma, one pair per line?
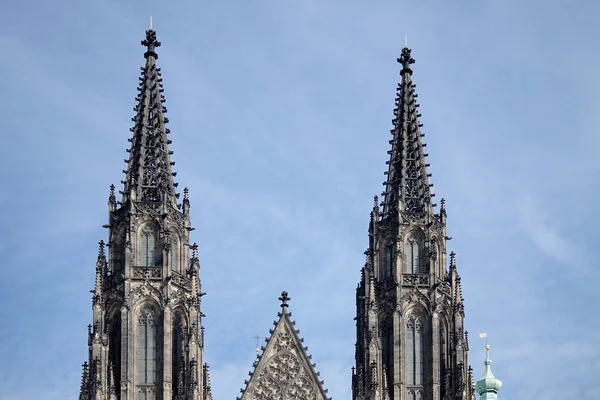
[487,387]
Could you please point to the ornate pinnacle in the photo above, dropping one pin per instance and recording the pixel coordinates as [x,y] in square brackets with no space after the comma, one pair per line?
[151,43]
[406,60]
[186,194]
[452,259]
[111,196]
[112,388]
[194,248]
[443,206]
[284,300]
[101,254]
[84,390]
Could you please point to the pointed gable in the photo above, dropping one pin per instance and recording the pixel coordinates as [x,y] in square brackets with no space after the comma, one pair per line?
[283,370]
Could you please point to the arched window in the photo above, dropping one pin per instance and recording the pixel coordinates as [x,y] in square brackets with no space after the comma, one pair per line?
[114,346]
[146,355]
[174,255]
[388,261]
[412,255]
[414,352]
[387,353]
[148,247]
[178,360]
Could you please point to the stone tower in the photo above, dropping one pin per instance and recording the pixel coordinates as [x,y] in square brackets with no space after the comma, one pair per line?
[411,343]
[146,340]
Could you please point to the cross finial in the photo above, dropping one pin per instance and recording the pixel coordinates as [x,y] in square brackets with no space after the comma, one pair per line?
[487,346]
[151,43]
[257,338]
[284,300]
[406,60]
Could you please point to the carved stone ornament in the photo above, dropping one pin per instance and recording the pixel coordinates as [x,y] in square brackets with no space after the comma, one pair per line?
[301,389]
[153,209]
[284,341]
[176,216]
[267,389]
[284,367]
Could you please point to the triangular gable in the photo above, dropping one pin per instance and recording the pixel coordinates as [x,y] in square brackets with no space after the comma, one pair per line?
[283,371]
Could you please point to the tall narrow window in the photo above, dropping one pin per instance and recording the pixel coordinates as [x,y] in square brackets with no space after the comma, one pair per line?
[148,247]
[177,356]
[388,259]
[442,360]
[412,255]
[174,256]
[146,355]
[387,341]
[114,347]
[414,352]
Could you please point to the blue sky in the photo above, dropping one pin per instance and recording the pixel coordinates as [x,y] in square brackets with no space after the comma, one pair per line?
[280,113]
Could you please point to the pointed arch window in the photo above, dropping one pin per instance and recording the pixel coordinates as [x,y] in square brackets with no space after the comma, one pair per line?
[412,255]
[414,352]
[387,353]
[178,353]
[114,346]
[388,261]
[148,247]
[146,355]
[174,255]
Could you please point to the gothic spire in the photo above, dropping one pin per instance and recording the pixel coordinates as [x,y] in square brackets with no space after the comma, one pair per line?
[407,187]
[149,177]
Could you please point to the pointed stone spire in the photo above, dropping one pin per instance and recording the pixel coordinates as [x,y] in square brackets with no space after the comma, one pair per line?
[407,187]
[487,387]
[149,177]
[85,382]
[100,271]
[112,199]
[206,387]
[195,265]
[112,387]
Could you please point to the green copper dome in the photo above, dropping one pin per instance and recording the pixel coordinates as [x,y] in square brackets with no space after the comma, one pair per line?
[487,387]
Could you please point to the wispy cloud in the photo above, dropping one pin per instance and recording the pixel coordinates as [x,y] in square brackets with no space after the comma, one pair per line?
[280,118]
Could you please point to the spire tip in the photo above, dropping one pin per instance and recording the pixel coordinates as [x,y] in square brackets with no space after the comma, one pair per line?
[284,300]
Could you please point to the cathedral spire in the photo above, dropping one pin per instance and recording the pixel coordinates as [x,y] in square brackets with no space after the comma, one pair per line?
[149,177]
[407,187]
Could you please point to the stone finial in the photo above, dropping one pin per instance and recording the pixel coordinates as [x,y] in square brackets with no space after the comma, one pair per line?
[452,259]
[101,254]
[112,199]
[194,248]
[151,43]
[406,60]
[284,300]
